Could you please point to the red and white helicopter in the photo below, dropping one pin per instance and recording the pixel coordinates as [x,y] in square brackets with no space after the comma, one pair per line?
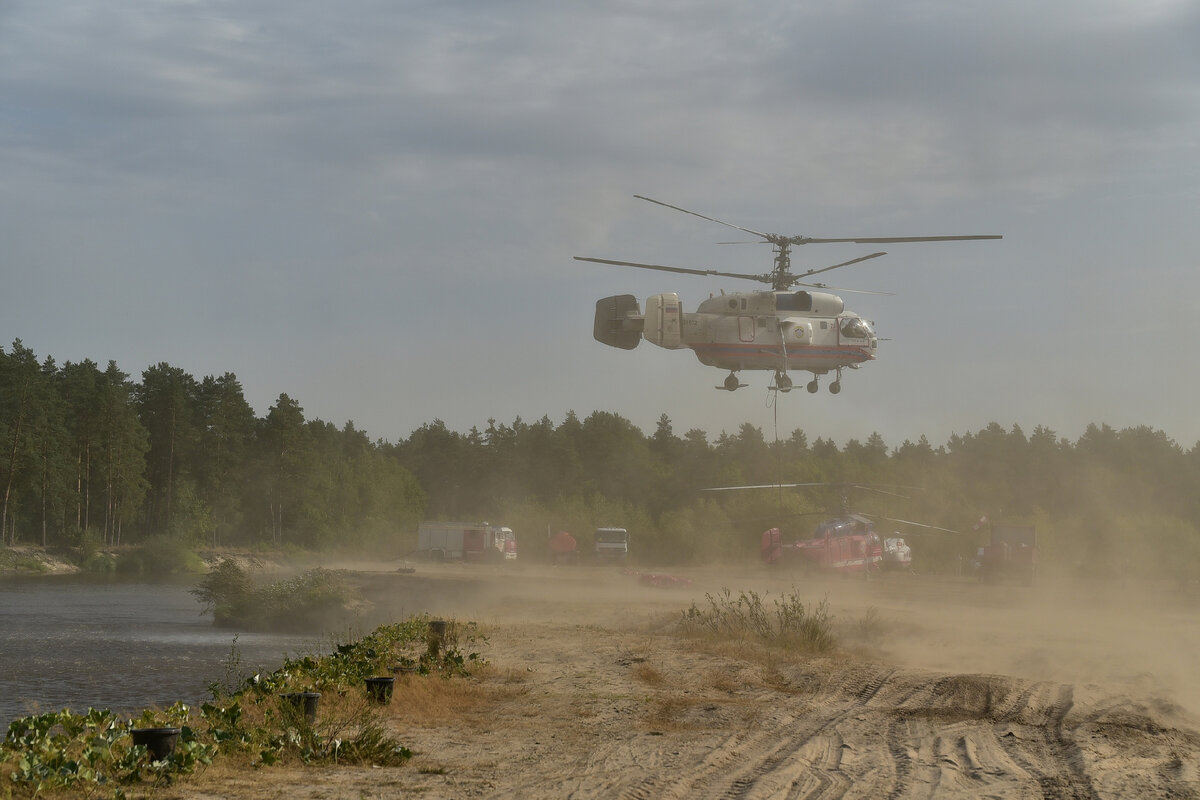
[843,542]
[780,329]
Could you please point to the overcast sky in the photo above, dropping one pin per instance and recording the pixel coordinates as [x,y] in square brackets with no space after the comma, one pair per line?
[373,206]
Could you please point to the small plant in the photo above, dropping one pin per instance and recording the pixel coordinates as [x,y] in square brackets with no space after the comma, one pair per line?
[746,616]
[869,628]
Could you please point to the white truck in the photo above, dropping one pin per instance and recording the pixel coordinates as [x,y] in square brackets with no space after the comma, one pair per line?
[612,544]
[465,541]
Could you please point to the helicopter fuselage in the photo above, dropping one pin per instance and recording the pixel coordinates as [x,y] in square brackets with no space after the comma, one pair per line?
[768,330]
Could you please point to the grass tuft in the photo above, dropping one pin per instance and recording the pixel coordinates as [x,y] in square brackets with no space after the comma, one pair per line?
[786,623]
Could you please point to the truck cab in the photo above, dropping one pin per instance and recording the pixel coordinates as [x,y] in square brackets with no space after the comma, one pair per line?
[612,544]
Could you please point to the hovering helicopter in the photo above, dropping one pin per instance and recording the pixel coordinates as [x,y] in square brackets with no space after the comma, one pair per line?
[842,542]
[777,329]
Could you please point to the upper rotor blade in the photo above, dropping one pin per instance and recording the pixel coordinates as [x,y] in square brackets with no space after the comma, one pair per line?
[684,270]
[889,239]
[701,216]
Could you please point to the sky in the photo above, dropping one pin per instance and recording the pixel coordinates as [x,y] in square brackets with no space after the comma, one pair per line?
[373,207]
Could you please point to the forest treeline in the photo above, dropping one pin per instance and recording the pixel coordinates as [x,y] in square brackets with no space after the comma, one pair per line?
[90,455]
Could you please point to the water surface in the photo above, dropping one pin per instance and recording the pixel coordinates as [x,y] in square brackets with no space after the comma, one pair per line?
[72,643]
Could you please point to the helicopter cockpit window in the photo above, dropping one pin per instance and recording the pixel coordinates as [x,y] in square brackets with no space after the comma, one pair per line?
[854,328]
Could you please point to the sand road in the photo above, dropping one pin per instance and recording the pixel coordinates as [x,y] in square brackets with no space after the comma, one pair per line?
[943,688]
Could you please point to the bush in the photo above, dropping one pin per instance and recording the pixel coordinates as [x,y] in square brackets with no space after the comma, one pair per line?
[789,624]
[305,602]
[160,556]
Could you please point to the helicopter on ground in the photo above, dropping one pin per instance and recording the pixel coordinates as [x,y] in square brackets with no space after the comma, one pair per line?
[777,329]
[844,541]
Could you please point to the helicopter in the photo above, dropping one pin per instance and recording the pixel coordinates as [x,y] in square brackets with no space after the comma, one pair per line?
[844,541]
[777,329]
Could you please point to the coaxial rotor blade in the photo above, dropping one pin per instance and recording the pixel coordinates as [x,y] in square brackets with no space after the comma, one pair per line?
[684,270]
[701,216]
[843,264]
[827,287]
[890,239]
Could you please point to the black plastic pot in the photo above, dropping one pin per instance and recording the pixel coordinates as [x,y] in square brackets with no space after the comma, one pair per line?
[306,701]
[159,742]
[380,689]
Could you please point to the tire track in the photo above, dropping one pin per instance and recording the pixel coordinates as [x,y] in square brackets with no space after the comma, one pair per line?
[1057,765]
[861,684]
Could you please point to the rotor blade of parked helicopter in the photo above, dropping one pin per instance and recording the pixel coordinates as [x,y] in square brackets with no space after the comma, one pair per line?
[761,486]
[701,216]
[877,490]
[921,525]
[890,239]
[684,270]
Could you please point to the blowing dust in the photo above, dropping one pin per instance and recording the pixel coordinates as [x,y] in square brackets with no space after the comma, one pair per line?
[1141,639]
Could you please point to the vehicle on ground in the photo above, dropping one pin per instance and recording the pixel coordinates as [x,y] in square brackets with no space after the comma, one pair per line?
[1011,555]
[841,544]
[612,544]
[563,548]
[465,541]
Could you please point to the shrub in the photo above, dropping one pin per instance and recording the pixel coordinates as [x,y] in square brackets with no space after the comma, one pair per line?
[302,603]
[789,624]
[160,556]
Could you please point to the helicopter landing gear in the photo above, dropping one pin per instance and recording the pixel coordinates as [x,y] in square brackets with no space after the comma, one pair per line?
[812,386]
[782,382]
[835,387]
[731,383]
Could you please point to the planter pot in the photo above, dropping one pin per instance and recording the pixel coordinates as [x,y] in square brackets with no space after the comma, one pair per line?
[159,742]
[380,689]
[306,701]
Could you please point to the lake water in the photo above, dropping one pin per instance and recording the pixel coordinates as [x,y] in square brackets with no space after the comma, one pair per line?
[69,643]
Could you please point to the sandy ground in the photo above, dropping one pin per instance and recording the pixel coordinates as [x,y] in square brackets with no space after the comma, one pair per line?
[944,688]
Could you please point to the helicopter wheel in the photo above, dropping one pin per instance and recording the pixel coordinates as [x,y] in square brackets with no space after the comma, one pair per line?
[812,386]
[835,387]
[782,382]
[731,382]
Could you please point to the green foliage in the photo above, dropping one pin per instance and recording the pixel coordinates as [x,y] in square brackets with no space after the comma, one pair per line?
[81,754]
[93,753]
[20,562]
[160,556]
[301,603]
[786,623]
[169,455]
